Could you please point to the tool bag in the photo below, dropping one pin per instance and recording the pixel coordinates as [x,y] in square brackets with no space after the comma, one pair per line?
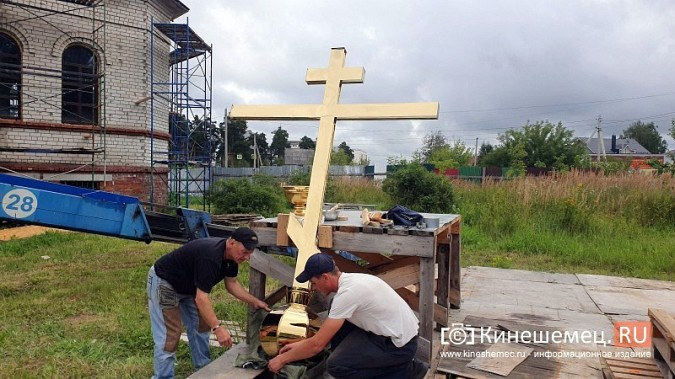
[401,215]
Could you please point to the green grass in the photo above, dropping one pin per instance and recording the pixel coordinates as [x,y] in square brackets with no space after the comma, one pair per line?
[83,311]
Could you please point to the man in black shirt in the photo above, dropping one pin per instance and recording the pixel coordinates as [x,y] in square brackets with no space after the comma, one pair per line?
[179,284]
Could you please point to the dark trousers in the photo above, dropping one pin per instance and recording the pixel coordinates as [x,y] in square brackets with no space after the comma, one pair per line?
[360,354]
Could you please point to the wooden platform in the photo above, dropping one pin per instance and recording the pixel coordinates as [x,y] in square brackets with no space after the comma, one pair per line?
[513,299]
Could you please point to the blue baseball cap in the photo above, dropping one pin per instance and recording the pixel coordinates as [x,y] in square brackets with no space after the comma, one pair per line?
[317,264]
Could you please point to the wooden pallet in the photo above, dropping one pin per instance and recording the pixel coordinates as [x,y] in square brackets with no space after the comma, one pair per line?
[238,219]
[663,339]
[629,368]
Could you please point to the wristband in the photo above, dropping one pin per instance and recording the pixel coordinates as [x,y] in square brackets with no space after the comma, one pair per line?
[213,330]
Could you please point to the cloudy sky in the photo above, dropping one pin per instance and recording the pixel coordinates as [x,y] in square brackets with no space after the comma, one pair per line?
[492,65]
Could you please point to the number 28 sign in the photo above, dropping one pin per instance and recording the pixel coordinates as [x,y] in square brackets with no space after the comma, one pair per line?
[19,203]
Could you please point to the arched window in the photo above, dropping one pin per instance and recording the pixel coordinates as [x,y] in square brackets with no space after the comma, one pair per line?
[79,86]
[10,77]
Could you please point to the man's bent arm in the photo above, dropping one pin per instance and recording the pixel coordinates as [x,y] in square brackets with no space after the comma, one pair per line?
[206,309]
[235,288]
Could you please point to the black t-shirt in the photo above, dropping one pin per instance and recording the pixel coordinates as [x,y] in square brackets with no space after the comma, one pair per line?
[199,264]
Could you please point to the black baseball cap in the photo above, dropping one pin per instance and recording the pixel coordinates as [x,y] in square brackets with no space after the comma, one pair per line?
[247,237]
[317,264]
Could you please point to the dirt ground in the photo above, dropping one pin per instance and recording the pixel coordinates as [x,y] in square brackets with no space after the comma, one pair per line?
[24,232]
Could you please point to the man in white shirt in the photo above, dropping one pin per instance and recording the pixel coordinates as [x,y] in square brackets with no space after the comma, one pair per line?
[372,331]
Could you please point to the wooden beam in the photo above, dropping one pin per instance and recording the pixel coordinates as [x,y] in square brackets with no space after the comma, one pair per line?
[325,236]
[440,313]
[421,246]
[282,226]
[277,296]
[401,276]
[443,286]
[455,274]
[272,267]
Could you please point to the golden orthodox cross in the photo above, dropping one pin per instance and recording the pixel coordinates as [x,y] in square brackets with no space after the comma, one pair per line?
[303,233]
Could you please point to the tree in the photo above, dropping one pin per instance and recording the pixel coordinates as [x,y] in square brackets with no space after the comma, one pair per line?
[432,141]
[647,136]
[348,150]
[340,158]
[194,140]
[451,156]
[485,149]
[672,128]
[307,143]
[238,145]
[279,145]
[541,144]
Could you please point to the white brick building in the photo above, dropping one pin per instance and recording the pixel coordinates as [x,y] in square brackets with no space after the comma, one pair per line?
[75,92]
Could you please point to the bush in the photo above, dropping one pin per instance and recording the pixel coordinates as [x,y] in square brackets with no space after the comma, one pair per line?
[244,196]
[418,189]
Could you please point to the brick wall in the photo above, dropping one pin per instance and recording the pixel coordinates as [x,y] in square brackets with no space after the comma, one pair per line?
[124,58]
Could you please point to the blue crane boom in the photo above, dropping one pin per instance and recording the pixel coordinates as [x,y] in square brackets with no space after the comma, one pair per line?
[31,201]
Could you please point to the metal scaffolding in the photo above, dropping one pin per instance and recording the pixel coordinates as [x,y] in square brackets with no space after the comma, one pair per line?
[186,94]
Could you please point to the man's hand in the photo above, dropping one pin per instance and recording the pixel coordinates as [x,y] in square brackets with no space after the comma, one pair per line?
[223,336]
[258,304]
[276,364]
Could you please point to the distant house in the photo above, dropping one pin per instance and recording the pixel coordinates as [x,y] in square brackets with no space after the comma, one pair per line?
[621,148]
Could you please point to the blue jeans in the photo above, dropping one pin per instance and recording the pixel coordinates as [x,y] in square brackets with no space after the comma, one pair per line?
[167,308]
[359,354]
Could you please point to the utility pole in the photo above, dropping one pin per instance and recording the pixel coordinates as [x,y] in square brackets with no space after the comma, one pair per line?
[601,142]
[225,152]
[475,154]
[255,151]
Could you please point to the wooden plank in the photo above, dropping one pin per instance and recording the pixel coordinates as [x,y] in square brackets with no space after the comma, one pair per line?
[276,296]
[271,266]
[455,274]
[398,262]
[266,236]
[325,236]
[256,284]
[504,365]
[443,265]
[373,229]
[665,320]
[424,350]
[663,340]
[455,225]
[401,276]
[532,367]
[282,226]
[223,367]
[442,234]
[368,243]
[440,313]
[630,368]
[373,259]
[349,228]
[426,297]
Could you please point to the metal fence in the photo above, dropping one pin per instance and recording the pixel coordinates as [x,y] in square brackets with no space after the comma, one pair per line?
[229,173]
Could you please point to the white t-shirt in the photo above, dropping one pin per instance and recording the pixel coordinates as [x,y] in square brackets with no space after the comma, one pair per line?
[369,303]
